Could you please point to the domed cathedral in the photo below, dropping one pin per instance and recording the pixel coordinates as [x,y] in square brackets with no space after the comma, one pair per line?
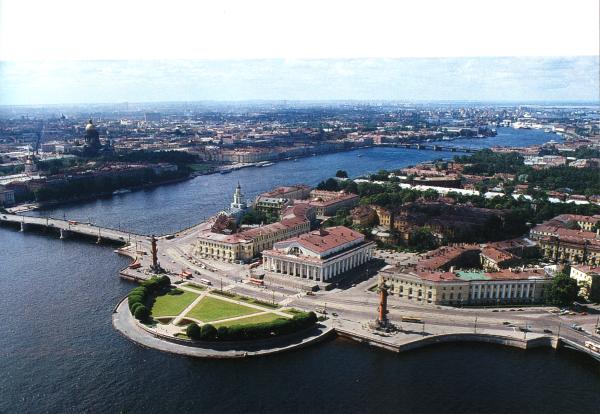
[92,139]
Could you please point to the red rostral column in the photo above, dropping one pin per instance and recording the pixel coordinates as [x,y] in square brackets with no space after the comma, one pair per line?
[383,294]
[154,253]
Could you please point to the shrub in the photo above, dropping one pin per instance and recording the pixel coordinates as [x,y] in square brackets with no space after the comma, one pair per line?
[193,331]
[208,331]
[141,313]
[164,281]
[222,332]
[133,300]
[134,307]
[139,290]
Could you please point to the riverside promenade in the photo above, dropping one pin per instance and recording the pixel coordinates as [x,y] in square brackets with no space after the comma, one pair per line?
[409,337]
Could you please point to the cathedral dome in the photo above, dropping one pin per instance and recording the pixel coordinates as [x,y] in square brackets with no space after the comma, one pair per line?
[90,126]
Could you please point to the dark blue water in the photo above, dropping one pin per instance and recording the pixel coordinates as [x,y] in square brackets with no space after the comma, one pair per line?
[59,352]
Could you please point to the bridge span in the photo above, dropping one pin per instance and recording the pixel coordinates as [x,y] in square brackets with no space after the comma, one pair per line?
[430,147]
[66,227]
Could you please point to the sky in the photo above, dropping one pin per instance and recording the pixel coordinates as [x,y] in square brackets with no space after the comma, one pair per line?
[65,51]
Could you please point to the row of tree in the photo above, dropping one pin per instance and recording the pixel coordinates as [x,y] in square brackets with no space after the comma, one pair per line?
[280,326]
[138,298]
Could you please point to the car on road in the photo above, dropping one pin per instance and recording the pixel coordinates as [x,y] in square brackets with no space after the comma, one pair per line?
[524,329]
[548,331]
[576,327]
[505,323]
[334,314]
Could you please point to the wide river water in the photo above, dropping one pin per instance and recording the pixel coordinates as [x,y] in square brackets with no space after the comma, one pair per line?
[59,352]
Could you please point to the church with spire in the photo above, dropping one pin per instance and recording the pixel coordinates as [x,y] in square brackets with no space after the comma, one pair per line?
[238,205]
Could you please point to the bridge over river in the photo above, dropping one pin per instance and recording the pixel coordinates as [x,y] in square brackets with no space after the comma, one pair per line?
[430,147]
[66,227]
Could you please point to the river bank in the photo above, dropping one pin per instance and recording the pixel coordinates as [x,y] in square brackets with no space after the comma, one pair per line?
[58,333]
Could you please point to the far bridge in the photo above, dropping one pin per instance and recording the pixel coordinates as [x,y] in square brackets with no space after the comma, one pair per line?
[432,147]
[66,227]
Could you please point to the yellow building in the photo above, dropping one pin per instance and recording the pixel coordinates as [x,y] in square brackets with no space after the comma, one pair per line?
[457,288]
[245,245]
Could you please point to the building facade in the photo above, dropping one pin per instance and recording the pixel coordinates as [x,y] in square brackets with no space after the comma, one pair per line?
[469,288]
[567,238]
[247,244]
[320,255]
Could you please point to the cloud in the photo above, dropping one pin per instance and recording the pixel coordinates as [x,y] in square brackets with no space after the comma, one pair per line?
[481,79]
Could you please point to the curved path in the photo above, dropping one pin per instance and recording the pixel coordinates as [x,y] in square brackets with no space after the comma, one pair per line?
[130,328]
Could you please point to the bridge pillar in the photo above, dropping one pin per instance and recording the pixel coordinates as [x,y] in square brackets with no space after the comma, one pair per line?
[23,226]
[98,240]
[64,234]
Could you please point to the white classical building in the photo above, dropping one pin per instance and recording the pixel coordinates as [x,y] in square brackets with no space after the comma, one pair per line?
[319,255]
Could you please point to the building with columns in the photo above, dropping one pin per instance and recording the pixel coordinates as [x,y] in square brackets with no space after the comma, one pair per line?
[457,288]
[320,255]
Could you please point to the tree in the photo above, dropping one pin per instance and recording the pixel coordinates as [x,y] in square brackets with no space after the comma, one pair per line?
[341,174]
[222,332]
[193,331]
[208,331]
[330,184]
[430,194]
[563,290]
[141,313]
[422,239]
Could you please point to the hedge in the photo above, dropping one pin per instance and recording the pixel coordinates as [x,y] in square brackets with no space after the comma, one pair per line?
[140,294]
[208,332]
[268,329]
[141,313]
[193,331]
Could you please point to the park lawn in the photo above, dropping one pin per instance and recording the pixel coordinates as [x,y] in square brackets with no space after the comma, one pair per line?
[200,167]
[194,287]
[213,309]
[291,311]
[267,317]
[171,305]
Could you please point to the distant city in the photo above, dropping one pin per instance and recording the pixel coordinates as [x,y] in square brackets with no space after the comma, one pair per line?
[491,235]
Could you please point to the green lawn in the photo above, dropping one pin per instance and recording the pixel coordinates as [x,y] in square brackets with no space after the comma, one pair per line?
[171,305]
[194,287]
[291,311]
[212,309]
[267,317]
[200,167]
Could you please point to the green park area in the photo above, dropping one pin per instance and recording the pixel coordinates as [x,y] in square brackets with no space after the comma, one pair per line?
[211,309]
[203,314]
[171,304]
[249,320]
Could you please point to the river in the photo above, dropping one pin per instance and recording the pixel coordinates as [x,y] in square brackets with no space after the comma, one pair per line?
[60,354]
